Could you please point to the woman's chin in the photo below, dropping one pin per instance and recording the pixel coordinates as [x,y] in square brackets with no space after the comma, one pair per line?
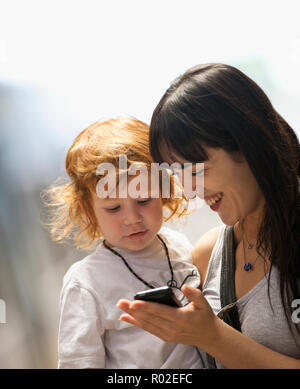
[228,220]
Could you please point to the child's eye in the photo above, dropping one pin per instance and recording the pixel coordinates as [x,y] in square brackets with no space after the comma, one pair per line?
[141,202]
[113,209]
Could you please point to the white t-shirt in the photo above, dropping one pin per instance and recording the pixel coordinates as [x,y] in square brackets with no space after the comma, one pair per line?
[90,332]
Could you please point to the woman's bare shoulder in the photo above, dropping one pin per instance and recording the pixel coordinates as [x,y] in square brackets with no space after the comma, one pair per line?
[203,249]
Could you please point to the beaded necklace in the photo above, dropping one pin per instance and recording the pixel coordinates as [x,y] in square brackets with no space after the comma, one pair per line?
[171,283]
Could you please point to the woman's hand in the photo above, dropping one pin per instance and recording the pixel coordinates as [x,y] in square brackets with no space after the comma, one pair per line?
[193,324]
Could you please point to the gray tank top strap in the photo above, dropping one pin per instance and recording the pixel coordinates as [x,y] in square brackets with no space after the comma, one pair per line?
[221,268]
[227,282]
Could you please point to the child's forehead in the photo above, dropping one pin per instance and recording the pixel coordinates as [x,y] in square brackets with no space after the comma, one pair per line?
[127,186]
[111,199]
[117,198]
[118,193]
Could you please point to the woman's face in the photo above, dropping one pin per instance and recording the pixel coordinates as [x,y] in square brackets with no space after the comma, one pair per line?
[230,189]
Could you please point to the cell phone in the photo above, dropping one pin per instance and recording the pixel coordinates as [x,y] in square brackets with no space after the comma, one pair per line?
[162,295]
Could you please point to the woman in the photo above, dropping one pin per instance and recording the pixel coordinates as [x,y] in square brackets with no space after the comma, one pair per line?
[215,114]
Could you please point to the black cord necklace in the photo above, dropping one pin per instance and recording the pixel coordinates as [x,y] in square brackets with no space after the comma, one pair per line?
[171,283]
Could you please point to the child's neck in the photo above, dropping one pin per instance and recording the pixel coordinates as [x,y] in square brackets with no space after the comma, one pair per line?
[145,251]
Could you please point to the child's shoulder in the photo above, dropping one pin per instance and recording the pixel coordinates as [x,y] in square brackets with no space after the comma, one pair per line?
[87,270]
[175,237]
[75,272]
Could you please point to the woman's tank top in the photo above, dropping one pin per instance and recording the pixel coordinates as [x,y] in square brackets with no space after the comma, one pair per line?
[265,324]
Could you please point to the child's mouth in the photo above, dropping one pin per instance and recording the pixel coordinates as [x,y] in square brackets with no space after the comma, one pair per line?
[137,235]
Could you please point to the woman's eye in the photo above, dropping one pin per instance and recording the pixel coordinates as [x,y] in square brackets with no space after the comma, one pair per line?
[197,173]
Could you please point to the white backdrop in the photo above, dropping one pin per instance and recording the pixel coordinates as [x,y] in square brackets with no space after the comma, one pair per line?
[65,64]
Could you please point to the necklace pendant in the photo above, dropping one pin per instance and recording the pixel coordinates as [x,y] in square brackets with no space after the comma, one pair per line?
[247,266]
[172,283]
[250,246]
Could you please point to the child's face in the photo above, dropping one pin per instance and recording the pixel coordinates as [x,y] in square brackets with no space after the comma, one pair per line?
[128,223]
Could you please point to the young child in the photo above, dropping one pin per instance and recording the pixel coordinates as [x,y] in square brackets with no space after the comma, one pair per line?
[132,253]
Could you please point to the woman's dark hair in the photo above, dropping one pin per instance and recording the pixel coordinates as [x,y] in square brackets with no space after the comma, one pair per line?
[216,105]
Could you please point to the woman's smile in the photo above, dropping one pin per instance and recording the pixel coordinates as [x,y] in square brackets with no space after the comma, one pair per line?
[214,201]
[216,204]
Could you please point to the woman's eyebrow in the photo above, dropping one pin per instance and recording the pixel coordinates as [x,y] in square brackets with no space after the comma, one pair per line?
[177,163]
[183,165]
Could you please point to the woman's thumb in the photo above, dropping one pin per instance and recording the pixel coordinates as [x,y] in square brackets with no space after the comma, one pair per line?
[194,295]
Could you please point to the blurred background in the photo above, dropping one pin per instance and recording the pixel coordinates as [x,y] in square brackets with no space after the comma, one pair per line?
[66,64]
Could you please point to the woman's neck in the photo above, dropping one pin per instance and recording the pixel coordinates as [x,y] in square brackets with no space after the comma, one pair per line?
[248,229]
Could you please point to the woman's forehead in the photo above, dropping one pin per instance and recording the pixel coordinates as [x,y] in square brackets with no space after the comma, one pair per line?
[171,156]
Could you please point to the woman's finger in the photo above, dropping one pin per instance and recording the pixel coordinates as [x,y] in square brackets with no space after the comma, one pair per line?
[151,319]
[123,304]
[150,308]
[141,314]
[163,332]
[130,319]
[142,323]
[195,296]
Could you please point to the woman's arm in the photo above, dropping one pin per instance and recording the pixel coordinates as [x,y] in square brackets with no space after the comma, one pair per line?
[196,324]
[202,252]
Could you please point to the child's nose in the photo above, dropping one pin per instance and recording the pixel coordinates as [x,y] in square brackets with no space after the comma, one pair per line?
[132,217]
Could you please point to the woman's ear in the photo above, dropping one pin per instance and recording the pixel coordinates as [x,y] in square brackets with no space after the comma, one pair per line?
[238,157]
